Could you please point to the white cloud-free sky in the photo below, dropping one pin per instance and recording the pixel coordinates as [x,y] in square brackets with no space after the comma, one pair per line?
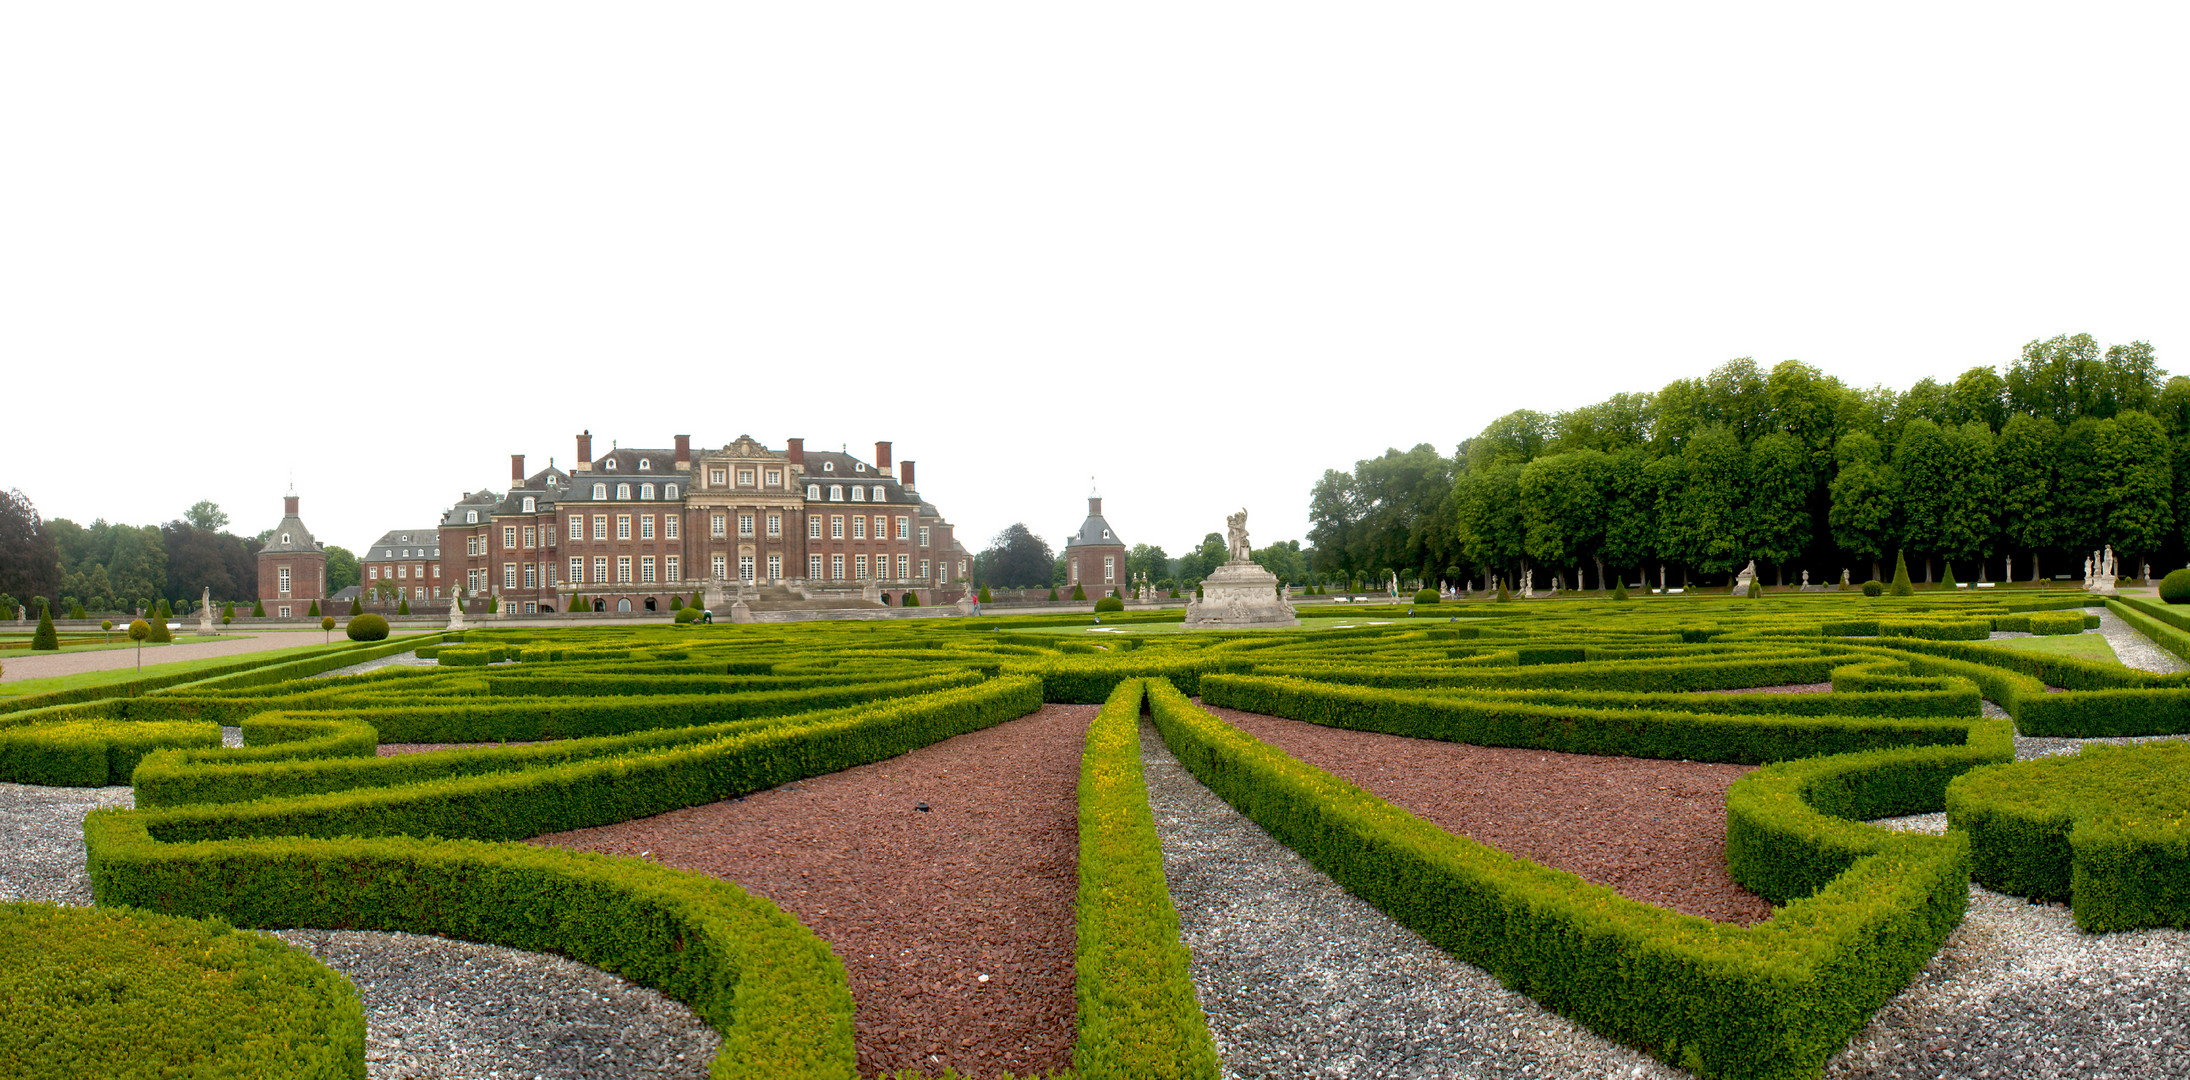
[1200,252]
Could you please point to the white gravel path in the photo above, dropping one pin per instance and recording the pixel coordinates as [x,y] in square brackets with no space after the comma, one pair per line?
[434,1008]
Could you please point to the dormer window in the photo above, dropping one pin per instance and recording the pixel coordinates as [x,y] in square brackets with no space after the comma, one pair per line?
[600,491]
[471,517]
[813,491]
[645,464]
[623,493]
[406,538]
[285,538]
[836,494]
[530,507]
[669,491]
[859,494]
[610,464]
[646,491]
[878,493]
[859,466]
[828,466]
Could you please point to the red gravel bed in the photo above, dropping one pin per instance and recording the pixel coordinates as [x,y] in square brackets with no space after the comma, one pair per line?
[918,905]
[1792,688]
[1653,830]
[398,749]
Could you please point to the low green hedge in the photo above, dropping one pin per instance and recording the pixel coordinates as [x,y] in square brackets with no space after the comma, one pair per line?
[2107,830]
[1091,680]
[1484,721]
[1926,629]
[92,752]
[1768,1002]
[115,993]
[2168,629]
[1138,1017]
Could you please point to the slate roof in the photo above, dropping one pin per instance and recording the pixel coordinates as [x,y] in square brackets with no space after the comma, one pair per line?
[483,501]
[300,538]
[1094,532]
[825,467]
[420,543]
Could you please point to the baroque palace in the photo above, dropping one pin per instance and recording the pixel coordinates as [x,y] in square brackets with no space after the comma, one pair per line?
[631,529]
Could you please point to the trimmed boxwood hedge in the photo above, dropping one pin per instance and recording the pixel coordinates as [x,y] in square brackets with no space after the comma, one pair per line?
[115,993]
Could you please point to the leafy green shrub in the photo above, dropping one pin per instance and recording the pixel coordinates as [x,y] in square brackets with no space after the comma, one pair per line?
[1138,1015]
[1426,596]
[1079,593]
[1619,591]
[983,595]
[910,599]
[1946,579]
[93,751]
[258,609]
[367,627]
[402,607]
[76,610]
[1756,590]
[45,637]
[685,615]
[355,608]
[2175,587]
[1053,595]
[326,623]
[2108,830]
[160,633]
[314,612]
[1503,595]
[1109,603]
[228,611]
[1901,584]
[120,993]
[1874,587]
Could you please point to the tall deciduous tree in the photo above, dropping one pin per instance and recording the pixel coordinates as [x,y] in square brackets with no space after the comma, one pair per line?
[1778,508]
[1487,519]
[1864,514]
[1018,559]
[1563,510]
[1711,527]
[30,557]
[2025,459]
[342,569]
[207,515]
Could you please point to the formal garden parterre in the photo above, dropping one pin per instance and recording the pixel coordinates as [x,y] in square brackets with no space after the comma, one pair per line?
[307,826]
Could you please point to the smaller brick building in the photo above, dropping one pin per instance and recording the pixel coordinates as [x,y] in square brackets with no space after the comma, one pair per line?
[404,566]
[1094,556]
[292,566]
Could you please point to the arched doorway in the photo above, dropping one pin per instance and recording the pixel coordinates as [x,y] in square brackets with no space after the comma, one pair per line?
[649,603]
[600,605]
[623,605]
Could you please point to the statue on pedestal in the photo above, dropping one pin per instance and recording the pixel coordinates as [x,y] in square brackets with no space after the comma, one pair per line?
[205,613]
[1235,531]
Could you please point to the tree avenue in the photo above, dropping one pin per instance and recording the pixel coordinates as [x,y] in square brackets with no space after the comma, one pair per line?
[2072,448]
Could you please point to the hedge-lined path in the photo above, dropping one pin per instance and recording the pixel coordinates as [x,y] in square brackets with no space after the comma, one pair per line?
[434,1008]
[955,924]
[1655,830]
[2135,649]
[1300,978]
[186,647]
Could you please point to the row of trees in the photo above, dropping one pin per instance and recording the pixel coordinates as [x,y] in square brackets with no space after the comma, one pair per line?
[1019,559]
[2071,449]
[113,567]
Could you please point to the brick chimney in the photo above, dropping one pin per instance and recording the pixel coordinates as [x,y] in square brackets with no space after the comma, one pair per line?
[684,451]
[1094,506]
[289,506]
[882,456]
[795,449]
[585,452]
[905,474]
[517,469]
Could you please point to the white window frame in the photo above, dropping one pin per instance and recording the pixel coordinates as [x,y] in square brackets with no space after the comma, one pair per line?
[623,526]
[623,569]
[577,526]
[600,526]
[813,567]
[775,526]
[646,526]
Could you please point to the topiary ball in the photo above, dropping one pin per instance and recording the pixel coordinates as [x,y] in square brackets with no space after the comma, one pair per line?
[1427,596]
[2175,587]
[1874,587]
[685,615]
[367,628]
[1110,603]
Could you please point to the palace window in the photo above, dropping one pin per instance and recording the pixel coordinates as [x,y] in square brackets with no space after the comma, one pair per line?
[859,566]
[623,569]
[646,570]
[600,526]
[577,570]
[600,492]
[878,493]
[859,494]
[775,526]
[745,525]
[836,493]
[903,569]
[669,491]
[715,566]
[623,493]
[813,567]
[836,528]
[904,525]
[547,571]
[471,517]
[745,478]
[859,527]
[813,492]
[509,575]
[828,466]
[600,570]
[672,568]
[669,526]
[532,537]
[509,537]
[532,575]
[403,571]
[645,464]
[745,568]
[577,527]
[1110,569]
[716,525]
[646,526]
[775,567]
[923,538]
[283,574]
[714,476]
[646,491]
[530,506]
[623,526]
[775,478]
[813,527]
[609,464]
[836,567]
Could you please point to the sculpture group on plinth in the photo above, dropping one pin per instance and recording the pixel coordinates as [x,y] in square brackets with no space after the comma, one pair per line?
[2100,571]
[1746,578]
[1240,594]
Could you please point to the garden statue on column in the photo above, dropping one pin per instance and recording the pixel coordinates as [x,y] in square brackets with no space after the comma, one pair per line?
[205,613]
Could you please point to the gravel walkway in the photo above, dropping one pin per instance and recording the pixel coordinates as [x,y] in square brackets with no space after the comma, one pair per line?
[2135,649]
[409,659]
[433,1007]
[187,646]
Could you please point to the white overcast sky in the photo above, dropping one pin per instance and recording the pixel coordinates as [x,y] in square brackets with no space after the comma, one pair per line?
[1200,252]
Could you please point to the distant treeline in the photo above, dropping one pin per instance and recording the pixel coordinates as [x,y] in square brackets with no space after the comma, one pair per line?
[106,567]
[2071,449]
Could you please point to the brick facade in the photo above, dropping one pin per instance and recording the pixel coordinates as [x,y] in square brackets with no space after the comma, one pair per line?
[1094,557]
[292,567]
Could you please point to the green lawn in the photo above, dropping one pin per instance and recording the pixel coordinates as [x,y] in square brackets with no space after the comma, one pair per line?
[120,675]
[2090,645]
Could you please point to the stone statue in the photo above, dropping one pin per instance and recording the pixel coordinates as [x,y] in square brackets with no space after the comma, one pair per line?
[2010,578]
[1805,579]
[1843,577]
[1235,531]
[1746,578]
[205,613]
[1661,577]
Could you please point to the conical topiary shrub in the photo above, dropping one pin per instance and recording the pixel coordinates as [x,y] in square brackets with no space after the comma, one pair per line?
[160,632]
[314,613]
[258,609]
[1947,582]
[403,607]
[1079,593]
[1901,584]
[1053,594]
[46,637]
[1619,592]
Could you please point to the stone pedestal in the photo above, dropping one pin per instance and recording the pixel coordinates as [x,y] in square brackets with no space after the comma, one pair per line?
[739,612]
[456,615]
[966,604]
[1239,595]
